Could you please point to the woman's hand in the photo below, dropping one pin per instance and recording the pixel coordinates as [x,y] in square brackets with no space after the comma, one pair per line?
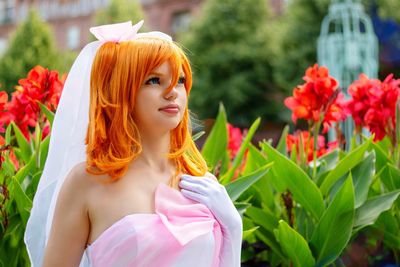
[208,191]
[211,193]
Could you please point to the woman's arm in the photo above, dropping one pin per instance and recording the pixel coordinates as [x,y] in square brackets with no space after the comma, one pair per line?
[70,227]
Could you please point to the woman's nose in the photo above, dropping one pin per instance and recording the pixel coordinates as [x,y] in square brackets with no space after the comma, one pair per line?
[172,94]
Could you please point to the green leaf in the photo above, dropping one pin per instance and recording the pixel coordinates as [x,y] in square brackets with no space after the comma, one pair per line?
[249,232]
[44,150]
[49,114]
[239,157]
[7,166]
[269,239]
[23,144]
[303,189]
[216,143]
[344,166]
[25,170]
[373,207]
[362,177]
[24,204]
[255,159]
[327,162]
[388,224]
[8,135]
[382,157]
[236,188]
[333,231]
[281,147]
[263,218]
[242,207]
[294,245]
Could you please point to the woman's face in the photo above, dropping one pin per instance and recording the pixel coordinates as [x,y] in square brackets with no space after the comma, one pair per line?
[150,112]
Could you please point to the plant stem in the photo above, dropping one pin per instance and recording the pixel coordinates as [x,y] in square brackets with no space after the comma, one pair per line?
[316,131]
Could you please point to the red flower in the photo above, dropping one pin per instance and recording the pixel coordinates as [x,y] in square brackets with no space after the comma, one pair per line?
[308,144]
[12,156]
[41,85]
[317,98]
[373,105]
[235,138]
[3,114]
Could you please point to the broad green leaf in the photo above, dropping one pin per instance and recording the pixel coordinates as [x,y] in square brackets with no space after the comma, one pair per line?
[44,150]
[263,187]
[395,175]
[249,232]
[263,218]
[373,207]
[8,135]
[281,147]
[389,225]
[49,114]
[198,135]
[24,204]
[216,143]
[239,157]
[294,245]
[25,170]
[23,144]
[242,207]
[7,165]
[362,177]
[327,162]
[344,166]
[303,189]
[269,239]
[333,231]
[236,188]
[255,159]
[381,157]
[390,177]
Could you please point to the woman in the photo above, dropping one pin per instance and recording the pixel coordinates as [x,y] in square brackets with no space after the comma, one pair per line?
[124,184]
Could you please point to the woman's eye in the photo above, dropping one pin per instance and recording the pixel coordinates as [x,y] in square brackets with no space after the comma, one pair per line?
[181,80]
[154,80]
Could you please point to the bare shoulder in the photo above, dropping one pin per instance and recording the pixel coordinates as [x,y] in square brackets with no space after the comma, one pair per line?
[70,227]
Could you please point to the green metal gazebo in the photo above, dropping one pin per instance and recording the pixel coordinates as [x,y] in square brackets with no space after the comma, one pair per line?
[348,46]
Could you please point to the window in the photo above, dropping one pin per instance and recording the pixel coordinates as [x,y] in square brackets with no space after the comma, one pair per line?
[180,22]
[73,37]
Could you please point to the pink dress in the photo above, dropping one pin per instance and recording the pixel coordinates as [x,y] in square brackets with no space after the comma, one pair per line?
[180,233]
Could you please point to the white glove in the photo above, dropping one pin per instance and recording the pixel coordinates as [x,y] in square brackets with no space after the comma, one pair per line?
[211,193]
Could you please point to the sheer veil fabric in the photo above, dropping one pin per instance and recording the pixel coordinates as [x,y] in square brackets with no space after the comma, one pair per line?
[67,144]
[67,148]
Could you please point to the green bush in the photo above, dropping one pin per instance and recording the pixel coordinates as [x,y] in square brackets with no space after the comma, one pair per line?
[32,44]
[231,47]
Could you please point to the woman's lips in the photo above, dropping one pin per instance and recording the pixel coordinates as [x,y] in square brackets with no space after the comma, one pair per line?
[170,110]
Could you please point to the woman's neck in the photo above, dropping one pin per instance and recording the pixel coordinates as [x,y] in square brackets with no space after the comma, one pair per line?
[154,153]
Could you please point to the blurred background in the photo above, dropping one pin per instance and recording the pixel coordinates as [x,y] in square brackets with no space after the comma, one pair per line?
[247,54]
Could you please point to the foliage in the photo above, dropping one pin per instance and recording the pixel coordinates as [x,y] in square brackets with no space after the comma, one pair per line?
[304,214]
[32,44]
[231,53]
[300,25]
[119,11]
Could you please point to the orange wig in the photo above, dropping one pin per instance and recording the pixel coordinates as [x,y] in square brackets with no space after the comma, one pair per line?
[113,140]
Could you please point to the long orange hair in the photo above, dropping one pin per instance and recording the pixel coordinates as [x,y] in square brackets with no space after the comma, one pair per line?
[113,139]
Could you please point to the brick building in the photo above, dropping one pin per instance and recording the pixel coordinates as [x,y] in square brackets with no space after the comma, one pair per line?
[71,19]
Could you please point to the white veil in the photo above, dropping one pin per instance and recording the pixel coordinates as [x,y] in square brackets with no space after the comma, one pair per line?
[67,143]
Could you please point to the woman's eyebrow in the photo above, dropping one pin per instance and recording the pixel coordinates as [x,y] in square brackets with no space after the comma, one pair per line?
[157,73]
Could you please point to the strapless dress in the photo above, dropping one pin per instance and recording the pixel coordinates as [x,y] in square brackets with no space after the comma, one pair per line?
[181,233]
